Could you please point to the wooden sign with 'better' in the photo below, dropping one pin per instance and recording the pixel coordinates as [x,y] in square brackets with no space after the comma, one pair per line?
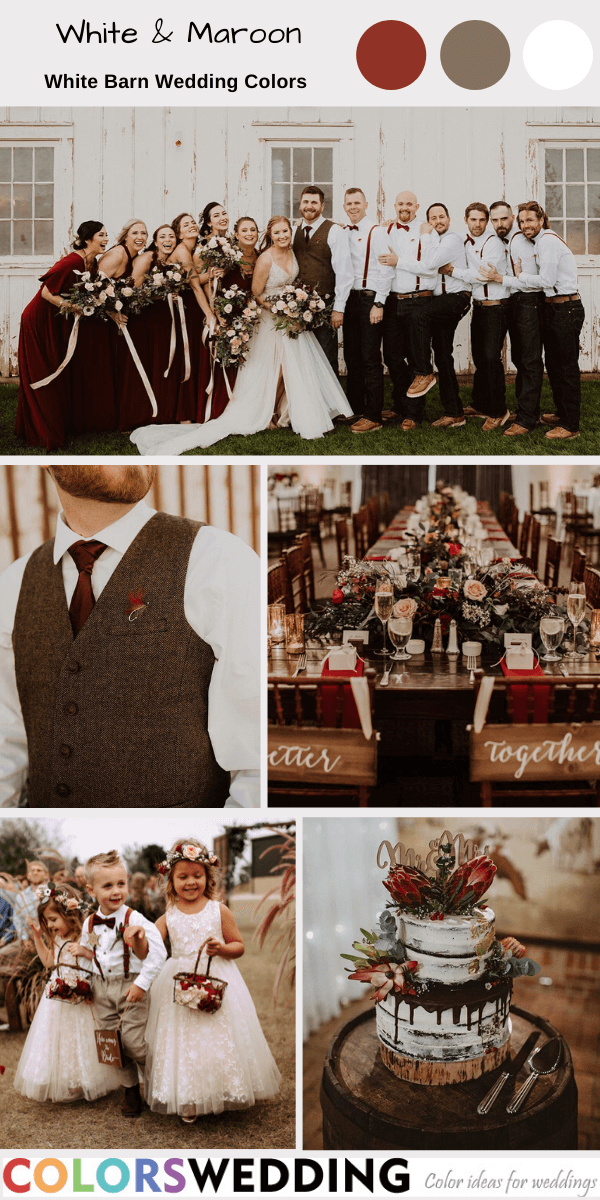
[535,752]
[298,755]
[109,1048]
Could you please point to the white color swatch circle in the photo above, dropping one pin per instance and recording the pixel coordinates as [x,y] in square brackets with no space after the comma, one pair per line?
[558,55]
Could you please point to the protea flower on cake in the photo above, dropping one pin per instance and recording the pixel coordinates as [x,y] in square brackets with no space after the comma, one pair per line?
[408,886]
[469,883]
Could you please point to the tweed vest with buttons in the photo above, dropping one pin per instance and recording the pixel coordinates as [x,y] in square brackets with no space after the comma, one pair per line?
[117,717]
[314,259]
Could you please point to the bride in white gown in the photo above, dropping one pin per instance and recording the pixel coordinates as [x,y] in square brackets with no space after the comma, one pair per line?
[313,395]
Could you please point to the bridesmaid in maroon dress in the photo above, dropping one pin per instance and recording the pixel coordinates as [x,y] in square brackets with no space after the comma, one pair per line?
[150,332]
[245,236]
[197,311]
[96,390]
[44,415]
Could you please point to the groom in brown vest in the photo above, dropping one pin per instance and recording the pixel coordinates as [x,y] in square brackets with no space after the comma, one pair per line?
[115,630]
[324,262]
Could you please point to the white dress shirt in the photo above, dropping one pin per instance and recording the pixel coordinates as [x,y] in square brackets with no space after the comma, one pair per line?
[221,604]
[557,269]
[436,251]
[520,247]
[488,249]
[337,240]
[408,245]
[379,278]
[109,949]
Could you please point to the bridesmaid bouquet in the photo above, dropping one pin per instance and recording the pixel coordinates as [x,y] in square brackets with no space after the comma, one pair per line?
[238,313]
[220,252]
[99,296]
[164,280]
[299,308]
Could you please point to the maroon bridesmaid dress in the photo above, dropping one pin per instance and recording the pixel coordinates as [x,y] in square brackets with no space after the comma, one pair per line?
[220,396]
[44,415]
[190,391]
[98,368]
[150,332]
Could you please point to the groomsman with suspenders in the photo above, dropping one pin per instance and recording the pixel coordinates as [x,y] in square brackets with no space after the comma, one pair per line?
[562,319]
[363,318]
[321,248]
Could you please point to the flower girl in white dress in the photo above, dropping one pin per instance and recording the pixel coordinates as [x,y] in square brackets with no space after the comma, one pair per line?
[59,1060]
[313,395]
[203,1062]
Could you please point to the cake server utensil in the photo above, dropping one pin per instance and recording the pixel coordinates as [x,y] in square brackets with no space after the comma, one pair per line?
[511,1070]
[543,1061]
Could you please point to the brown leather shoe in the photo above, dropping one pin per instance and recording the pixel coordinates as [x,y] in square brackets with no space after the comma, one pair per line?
[550,418]
[407,425]
[558,434]
[132,1103]
[388,414]
[448,423]
[365,426]
[473,412]
[347,420]
[495,422]
[516,430]
[421,384]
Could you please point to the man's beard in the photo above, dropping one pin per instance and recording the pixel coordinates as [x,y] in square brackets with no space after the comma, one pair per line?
[110,485]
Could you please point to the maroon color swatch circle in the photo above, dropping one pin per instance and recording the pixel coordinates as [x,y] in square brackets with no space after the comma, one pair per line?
[391,55]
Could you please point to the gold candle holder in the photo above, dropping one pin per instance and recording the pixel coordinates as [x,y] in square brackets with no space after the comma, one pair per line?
[294,633]
[276,623]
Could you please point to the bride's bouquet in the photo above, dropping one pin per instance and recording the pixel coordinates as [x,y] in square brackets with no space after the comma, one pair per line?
[298,308]
[238,313]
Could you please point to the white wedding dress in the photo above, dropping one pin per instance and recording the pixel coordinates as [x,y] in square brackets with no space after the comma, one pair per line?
[313,394]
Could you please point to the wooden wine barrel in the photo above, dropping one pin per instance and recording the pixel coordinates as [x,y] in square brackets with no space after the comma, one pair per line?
[365,1107]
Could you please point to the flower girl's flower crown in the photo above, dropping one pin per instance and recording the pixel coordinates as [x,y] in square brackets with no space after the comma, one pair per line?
[49,891]
[198,854]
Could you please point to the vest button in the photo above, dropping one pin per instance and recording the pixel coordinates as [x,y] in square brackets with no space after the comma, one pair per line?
[63,790]
[73,667]
[70,708]
[66,751]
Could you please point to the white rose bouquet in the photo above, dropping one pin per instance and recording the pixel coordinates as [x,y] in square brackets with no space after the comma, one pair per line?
[299,308]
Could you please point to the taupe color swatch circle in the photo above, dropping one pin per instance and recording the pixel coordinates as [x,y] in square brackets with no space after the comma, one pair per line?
[475,55]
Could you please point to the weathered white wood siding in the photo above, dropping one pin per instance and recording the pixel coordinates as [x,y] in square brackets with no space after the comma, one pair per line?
[151,163]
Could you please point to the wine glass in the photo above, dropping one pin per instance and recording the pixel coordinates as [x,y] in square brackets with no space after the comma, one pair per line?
[384,603]
[552,632]
[400,629]
[575,611]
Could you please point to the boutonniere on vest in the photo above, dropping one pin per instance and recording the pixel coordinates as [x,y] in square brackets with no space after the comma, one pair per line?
[136,604]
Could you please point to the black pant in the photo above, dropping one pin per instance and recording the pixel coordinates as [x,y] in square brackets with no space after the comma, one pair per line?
[488,331]
[436,320]
[561,327]
[328,341]
[362,353]
[396,355]
[525,331]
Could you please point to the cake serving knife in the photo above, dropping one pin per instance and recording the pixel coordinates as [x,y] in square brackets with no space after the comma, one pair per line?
[512,1070]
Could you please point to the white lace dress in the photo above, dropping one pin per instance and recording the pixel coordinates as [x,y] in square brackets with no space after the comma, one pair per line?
[204,1062]
[59,1060]
[314,395]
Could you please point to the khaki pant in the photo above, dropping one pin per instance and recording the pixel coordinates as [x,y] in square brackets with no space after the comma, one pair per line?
[109,1007]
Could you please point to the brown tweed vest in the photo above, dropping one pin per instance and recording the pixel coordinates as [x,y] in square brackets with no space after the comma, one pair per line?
[314,259]
[117,717]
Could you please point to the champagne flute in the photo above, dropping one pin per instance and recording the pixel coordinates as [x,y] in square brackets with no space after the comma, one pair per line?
[400,630]
[575,611]
[552,632]
[384,603]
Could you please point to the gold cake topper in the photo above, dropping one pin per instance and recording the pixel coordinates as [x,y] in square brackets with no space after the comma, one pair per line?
[404,856]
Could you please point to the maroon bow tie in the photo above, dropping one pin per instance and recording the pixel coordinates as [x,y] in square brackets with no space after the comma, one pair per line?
[399,226]
[110,921]
[352,227]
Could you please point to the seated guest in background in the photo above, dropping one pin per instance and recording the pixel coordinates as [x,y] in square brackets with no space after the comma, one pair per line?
[562,319]
[363,318]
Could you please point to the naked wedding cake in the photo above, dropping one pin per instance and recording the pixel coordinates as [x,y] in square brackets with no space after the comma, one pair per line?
[443,980]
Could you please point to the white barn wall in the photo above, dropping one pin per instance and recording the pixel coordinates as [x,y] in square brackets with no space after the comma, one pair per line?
[151,163]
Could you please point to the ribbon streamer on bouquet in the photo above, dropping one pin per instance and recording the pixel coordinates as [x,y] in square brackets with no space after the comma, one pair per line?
[184,334]
[66,360]
[142,373]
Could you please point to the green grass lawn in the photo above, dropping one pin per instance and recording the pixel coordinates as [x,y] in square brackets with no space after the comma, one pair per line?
[423,441]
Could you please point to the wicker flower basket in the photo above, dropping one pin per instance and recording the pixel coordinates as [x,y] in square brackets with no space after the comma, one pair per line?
[75,992]
[201,992]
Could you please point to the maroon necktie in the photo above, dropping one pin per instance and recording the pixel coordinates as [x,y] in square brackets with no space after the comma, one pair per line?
[110,921]
[84,555]
[307,233]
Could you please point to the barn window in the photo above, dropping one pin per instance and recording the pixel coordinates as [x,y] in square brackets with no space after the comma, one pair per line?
[295,165]
[572,195]
[26,200]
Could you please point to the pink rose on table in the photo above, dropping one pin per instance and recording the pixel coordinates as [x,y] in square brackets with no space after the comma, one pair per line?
[408,886]
[471,881]
[406,607]
[474,590]
[337,596]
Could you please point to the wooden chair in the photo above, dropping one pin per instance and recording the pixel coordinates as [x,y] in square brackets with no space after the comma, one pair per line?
[360,527]
[524,534]
[536,533]
[304,540]
[341,537]
[385,509]
[513,527]
[564,711]
[578,565]
[293,559]
[278,588]
[372,507]
[579,523]
[309,514]
[591,578]
[505,509]
[323,761]
[544,509]
[552,567]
